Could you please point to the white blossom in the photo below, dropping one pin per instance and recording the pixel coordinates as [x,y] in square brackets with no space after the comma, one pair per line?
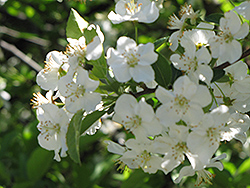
[137,117]
[79,91]
[205,137]
[243,9]
[132,61]
[194,63]
[202,173]
[185,102]
[235,92]
[225,47]
[55,63]
[53,126]
[134,10]
[139,155]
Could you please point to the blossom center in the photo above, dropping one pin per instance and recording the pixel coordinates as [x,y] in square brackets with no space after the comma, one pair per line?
[144,158]
[227,36]
[132,59]
[76,50]
[132,7]
[48,128]
[133,122]
[181,101]
[80,91]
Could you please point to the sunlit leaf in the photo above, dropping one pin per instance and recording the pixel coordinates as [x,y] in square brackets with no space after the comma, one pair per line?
[99,67]
[245,166]
[160,41]
[230,167]
[75,25]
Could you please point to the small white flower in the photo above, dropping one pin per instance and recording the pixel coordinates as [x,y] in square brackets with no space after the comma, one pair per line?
[134,10]
[172,146]
[139,118]
[176,23]
[237,126]
[53,126]
[39,99]
[185,102]
[79,48]
[200,35]
[139,155]
[194,63]
[236,91]
[132,61]
[202,174]
[225,47]
[244,9]
[188,12]
[47,78]
[205,137]
[79,91]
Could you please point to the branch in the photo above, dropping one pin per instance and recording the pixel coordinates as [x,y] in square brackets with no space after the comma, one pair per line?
[17,34]
[21,55]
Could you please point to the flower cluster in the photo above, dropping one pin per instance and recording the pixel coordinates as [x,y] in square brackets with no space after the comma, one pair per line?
[186,118]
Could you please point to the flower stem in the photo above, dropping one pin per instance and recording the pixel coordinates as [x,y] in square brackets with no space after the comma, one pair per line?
[136,32]
[232,3]
[220,90]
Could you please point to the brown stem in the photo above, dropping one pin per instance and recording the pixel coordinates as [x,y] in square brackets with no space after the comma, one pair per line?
[145,91]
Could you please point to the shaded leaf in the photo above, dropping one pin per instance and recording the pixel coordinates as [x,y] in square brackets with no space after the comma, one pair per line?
[73,136]
[136,179]
[218,74]
[39,163]
[163,73]
[224,78]
[215,18]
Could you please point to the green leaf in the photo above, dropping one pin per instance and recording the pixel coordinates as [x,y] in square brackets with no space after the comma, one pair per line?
[75,25]
[230,167]
[215,18]
[73,136]
[90,119]
[245,166]
[89,34]
[41,159]
[163,73]
[224,78]
[136,179]
[23,184]
[160,41]
[100,67]
[222,178]
[218,74]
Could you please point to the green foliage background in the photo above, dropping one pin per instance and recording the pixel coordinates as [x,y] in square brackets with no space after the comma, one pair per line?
[37,27]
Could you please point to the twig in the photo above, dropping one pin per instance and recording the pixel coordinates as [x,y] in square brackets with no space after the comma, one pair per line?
[17,34]
[21,55]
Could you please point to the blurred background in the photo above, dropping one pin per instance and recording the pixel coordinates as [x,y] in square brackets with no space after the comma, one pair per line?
[29,29]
